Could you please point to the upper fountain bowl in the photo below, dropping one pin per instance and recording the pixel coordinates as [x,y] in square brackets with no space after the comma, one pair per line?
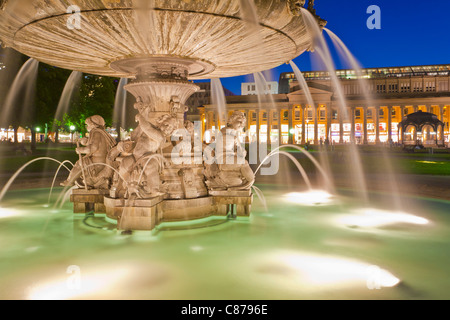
[103,32]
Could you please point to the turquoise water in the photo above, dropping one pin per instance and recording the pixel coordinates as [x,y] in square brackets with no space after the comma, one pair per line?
[290,251]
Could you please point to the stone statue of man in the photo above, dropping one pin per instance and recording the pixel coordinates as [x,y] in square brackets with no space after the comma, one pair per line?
[90,171]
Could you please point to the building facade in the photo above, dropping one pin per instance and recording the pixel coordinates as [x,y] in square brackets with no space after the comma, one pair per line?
[368,111]
[249,88]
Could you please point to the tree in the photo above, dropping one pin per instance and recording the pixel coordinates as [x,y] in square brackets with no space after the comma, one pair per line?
[49,87]
[96,96]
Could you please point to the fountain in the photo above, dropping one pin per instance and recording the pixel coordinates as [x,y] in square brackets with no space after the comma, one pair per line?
[158,66]
[298,246]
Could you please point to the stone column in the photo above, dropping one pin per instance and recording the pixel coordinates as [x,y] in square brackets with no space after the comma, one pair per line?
[441,112]
[290,140]
[316,125]
[365,141]
[216,124]
[206,121]
[415,108]
[258,123]
[280,140]
[248,115]
[352,121]
[269,125]
[377,125]
[303,125]
[428,108]
[328,128]
[341,126]
[389,124]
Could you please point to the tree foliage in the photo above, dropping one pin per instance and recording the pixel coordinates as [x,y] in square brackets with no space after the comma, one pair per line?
[96,96]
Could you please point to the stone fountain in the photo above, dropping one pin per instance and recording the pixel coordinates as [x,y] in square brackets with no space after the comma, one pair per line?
[160,46]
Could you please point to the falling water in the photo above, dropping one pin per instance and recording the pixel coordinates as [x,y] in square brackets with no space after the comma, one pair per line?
[329,184]
[321,48]
[16,174]
[310,101]
[55,176]
[297,164]
[145,18]
[302,83]
[219,100]
[120,106]
[261,197]
[265,98]
[354,64]
[363,84]
[248,13]
[24,80]
[72,83]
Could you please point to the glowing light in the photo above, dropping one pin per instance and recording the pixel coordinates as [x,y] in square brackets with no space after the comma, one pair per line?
[7,213]
[431,162]
[72,128]
[320,271]
[376,218]
[310,198]
[99,282]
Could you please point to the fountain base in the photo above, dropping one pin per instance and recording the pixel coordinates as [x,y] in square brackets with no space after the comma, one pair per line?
[85,201]
[146,214]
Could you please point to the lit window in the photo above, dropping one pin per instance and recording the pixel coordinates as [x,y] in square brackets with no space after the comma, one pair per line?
[322,114]
[275,115]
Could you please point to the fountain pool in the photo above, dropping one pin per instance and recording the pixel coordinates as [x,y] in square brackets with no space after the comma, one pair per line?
[321,250]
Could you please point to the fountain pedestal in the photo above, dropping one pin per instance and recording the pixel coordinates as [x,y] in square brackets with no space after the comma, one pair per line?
[237,203]
[85,201]
[146,214]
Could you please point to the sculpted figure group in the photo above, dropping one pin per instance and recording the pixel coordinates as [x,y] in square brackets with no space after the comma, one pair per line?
[133,167]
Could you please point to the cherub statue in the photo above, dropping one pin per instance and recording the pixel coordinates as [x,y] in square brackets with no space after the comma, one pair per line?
[230,170]
[141,169]
[90,171]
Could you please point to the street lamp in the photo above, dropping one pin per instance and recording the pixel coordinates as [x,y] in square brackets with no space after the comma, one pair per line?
[37,133]
[307,129]
[72,129]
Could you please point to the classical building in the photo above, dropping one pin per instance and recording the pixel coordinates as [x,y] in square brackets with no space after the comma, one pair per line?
[199,99]
[249,88]
[376,101]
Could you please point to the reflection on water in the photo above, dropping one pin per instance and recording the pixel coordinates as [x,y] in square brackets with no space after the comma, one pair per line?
[290,251]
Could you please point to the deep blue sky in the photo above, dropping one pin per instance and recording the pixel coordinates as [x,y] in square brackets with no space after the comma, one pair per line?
[412,32]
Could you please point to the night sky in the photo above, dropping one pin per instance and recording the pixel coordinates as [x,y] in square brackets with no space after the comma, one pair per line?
[412,32]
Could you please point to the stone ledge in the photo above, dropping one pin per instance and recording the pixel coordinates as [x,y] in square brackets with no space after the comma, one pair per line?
[88,200]
[146,214]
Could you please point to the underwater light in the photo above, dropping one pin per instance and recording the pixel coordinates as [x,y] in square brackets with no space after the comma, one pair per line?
[7,213]
[320,271]
[75,285]
[310,198]
[375,218]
